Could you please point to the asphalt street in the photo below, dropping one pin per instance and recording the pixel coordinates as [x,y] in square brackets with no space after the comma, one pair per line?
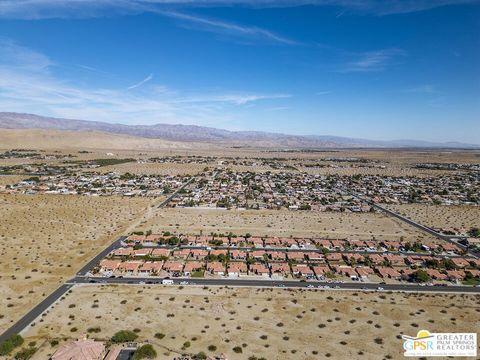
[233,282]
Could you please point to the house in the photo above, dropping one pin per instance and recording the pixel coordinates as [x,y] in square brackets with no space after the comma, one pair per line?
[353,258]
[259,269]
[150,267]
[334,258]
[376,259]
[415,260]
[218,252]
[296,255]
[160,252]
[321,270]
[395,259]
[302,243]
[173,267]
[386,272]
[255,241]
[302,270]
[123,251]
[315,256]
[460,262]
[109,265]
[136,238]
[235,241]
[324,243]
[153,238]
[456,275]
[448,247]
[475,273]
[130,267]
[191,266]
[236,268]
[436,275]
[282,268]
[82,349]
[198,254]
[364,271]
[221,239]
[272,242]
[142,252]
[338,244]
[238,254]
[181,254]
[392,245]
[216,267]
[276,255]
[257,254]
[289,242]
[345,270]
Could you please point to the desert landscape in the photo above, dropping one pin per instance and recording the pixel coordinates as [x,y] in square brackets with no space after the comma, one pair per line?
[38,255]
[248,323]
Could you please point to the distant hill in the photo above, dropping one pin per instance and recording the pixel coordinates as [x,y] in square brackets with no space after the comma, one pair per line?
[193,133]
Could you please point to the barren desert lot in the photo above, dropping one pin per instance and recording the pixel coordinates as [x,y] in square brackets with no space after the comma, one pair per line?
[269,323]
[281,223]
[45,239]
[438,216]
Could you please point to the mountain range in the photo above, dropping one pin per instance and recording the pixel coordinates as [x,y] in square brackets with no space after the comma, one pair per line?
[193,133]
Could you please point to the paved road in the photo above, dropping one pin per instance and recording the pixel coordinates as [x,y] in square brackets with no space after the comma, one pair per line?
[450,239]
[167,200]
[35,312]
[115,245]
[280,283]
[57,294]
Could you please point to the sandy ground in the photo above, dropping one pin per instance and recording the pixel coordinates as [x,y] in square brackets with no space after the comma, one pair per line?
[45,239]
[155,169]
[11,179]
[441,216]
[282,223]
[273,323]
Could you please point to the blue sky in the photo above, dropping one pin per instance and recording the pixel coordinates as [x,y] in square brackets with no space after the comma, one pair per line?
[375,69]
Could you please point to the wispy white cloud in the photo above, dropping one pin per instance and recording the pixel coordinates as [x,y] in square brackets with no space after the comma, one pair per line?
[371,61]
[147,79]
[28,88]
[214,25]
[326,92]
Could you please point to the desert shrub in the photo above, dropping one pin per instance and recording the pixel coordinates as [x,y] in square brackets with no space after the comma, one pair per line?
[25,354]
[159,336]
[237,349]
[212,348]
[94,330]
[53,343]
[123,336]
[145,352]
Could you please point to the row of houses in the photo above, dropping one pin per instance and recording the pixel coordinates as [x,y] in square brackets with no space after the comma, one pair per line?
[296,243]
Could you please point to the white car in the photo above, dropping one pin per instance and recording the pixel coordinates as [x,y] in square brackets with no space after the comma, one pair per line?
[310,286]
[380,288]
[184,283]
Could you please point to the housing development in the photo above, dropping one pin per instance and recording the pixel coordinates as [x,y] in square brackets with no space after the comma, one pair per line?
[239,179]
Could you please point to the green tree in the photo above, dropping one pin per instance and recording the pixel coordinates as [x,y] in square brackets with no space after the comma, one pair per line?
[123,336]
[145,352]
[421,276]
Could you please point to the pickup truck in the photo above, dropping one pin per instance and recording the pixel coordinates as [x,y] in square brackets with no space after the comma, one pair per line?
[167,282]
